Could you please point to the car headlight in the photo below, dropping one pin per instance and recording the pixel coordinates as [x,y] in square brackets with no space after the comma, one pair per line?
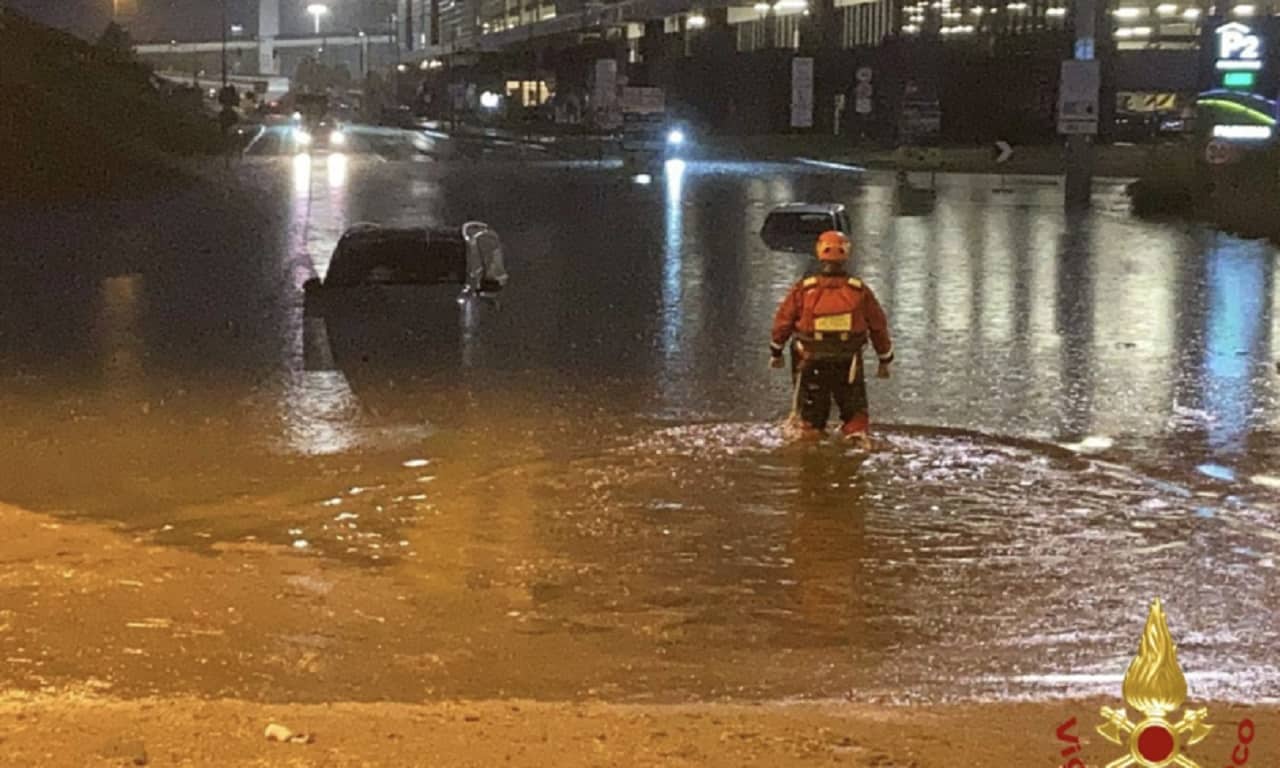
[675,137]
[302,137]
[337,138]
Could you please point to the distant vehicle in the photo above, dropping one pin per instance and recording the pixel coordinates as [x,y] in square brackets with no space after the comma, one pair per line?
[375,258]
[1135,127]
[324,134]
[794,227]
[399,117]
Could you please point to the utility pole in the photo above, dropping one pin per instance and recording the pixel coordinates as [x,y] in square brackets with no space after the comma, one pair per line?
[224,43]
[1078,108]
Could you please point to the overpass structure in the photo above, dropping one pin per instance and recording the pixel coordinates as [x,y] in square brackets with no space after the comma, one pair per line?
[267,87]
[272,58]
[270,54]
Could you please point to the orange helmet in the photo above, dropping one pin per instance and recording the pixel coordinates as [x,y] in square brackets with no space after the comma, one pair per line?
[833,246]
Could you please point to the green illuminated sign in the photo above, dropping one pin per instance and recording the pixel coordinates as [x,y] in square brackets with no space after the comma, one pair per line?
[1239,79]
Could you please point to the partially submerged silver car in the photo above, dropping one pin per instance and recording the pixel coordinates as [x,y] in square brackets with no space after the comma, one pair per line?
[376,256]
[795,227]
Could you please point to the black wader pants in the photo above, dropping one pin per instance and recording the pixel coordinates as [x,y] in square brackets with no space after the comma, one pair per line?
[822,381]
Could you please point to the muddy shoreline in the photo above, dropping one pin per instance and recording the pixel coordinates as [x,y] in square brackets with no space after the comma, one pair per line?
[87,731]
[105,636]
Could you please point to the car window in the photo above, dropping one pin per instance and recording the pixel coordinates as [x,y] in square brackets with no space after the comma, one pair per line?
[410,257]
[785,224]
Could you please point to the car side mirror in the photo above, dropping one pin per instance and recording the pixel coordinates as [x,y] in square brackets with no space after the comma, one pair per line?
[486,267]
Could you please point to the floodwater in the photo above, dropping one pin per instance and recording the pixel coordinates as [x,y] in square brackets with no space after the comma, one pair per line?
[587,482]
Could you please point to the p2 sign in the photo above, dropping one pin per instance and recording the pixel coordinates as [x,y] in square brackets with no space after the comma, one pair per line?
[1238,47]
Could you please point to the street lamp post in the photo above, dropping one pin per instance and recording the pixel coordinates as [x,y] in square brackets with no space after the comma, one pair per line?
[317,10]
[224,43]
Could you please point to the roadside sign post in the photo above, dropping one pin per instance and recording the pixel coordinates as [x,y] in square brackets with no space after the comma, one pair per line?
[1076,97]
[1003,151]
[802,92]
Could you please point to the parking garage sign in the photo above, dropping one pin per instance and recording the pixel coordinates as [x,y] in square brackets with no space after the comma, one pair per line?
[1239,48]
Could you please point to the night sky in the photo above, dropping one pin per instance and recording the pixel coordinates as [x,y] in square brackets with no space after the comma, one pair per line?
[197,19]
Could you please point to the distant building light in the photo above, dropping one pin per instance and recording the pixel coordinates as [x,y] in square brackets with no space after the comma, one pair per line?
[1243,10]
[1242,132]
[1017,6]
[910,29]
[402,67]
[490,100]
[1246,80]
[697,21]
[951,15]
[791,5]
[1056,12]
[1231,64]
[1124,32]
[1129,12]
[1167,9]
[237,29]
[1191,14]
[1142,31]
[762,7]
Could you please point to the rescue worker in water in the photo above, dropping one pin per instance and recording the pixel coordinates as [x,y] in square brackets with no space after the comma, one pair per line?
[831,315]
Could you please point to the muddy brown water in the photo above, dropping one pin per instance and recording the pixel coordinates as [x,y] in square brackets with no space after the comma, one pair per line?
[587,482]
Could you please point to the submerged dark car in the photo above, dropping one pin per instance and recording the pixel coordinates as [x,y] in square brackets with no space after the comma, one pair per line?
[372,257]
[389,311]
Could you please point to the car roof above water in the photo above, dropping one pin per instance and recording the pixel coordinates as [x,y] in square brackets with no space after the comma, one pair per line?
[803,208]
[374,253]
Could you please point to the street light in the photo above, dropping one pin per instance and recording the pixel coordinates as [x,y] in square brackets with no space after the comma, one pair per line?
[317,10]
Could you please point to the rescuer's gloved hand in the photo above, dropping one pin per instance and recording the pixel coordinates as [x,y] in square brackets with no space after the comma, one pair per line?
[882,371]
[775,361]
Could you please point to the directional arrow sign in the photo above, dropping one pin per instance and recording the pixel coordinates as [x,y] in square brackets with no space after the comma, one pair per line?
[1003,152]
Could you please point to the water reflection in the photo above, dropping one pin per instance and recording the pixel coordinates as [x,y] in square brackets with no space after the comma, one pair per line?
[1074,322]
[672,271]
[337,168]
[1237,285]
[301,175]
[317,410]
[828,549]
[119,334]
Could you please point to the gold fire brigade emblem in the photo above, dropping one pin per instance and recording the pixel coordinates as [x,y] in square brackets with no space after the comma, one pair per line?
[1156,687]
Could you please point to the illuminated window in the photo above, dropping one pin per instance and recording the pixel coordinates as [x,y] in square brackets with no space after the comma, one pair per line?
[528,93]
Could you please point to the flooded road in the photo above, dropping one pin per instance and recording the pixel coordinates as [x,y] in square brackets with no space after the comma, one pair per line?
[1084,415]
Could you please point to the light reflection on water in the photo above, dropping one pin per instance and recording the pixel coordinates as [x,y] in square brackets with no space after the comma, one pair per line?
[1237,282]
[120,334]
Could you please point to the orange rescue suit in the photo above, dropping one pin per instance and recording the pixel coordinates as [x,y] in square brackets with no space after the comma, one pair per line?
[831,315]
